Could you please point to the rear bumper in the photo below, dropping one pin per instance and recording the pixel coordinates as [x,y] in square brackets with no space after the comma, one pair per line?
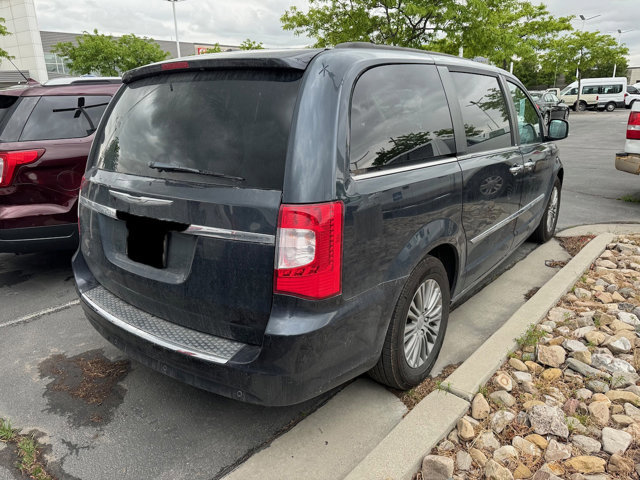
[305,351]
[628,162]
[39,239]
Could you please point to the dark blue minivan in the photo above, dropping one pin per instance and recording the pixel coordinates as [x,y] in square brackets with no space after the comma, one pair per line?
[268,225]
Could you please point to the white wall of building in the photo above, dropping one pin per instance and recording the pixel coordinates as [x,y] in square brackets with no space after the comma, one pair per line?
[25,43]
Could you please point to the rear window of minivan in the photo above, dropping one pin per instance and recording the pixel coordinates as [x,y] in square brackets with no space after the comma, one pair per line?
[223,123]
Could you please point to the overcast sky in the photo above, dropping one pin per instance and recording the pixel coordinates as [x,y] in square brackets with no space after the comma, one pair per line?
[231,21]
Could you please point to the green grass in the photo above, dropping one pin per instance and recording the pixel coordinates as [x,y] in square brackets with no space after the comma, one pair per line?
[630,198]
[531,337]
[27,451]
[6,432]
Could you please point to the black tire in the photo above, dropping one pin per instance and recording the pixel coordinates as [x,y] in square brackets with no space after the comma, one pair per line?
[566,114]
[393,368]
[610,107]
[582,106]
[631,104]
[546,228]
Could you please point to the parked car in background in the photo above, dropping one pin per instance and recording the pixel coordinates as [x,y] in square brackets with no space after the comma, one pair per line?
[588,100]
[45,137]
[629,160]
[554,90]
[550,107]
[632,95]
[611,92]
[345,198]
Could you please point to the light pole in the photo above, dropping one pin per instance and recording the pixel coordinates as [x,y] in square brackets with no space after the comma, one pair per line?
[175,24]
[620,32]
[584,19]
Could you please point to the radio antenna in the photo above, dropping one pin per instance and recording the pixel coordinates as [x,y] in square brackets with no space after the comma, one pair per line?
[19,71]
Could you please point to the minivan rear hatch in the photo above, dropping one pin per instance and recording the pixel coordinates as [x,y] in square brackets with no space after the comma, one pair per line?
[184,182]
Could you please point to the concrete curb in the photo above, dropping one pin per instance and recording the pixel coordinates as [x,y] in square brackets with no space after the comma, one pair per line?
[400,454]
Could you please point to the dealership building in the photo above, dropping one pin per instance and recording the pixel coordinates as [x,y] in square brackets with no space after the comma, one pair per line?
[31,47]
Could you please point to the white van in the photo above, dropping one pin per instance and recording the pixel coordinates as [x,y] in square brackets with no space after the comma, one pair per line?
[605,93]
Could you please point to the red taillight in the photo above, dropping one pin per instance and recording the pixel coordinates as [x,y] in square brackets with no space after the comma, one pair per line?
[633,127]
[174,65]
[309,250]
[10,160]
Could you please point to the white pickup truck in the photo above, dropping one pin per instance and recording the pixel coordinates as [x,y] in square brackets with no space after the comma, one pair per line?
[629,160]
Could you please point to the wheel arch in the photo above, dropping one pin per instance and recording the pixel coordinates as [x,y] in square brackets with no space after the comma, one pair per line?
[442,239]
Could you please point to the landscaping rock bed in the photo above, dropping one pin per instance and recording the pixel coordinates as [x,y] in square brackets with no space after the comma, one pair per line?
[566,405]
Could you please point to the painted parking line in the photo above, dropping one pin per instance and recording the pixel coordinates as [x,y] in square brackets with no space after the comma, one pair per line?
[46,311]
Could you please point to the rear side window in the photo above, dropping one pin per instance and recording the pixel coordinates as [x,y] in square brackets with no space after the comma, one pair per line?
[64,117]
[399,116]
[6,102]
[593,90]
[221,123]
[484,112]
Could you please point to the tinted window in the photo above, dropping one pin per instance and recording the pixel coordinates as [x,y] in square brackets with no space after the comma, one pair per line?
[229,122]
[632,90]
[590,90]
[399,115]
[14,122]
[64,117]
[484,112]
[6,102]
[528,120]
[609,89]
[553,98]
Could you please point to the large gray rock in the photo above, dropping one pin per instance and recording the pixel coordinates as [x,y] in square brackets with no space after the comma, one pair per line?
[505,454]
[611,364]
[557,451]
[587,444]
[615,441]
[500,420]
[574,345]
[618,344]
[487,441]
[436,467]
[463,460]
[502,398]
[548,420]
[628,318]
[585,370]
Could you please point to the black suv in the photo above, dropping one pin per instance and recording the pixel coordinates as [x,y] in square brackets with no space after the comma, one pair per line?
[267,225]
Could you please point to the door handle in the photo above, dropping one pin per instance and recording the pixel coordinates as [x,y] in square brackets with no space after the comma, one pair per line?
[530,166]
[516,170]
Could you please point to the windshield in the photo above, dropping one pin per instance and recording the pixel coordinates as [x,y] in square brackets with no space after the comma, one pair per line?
[566,90]
[234,123]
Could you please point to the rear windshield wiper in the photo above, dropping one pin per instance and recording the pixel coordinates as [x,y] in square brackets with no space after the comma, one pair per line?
[167,167]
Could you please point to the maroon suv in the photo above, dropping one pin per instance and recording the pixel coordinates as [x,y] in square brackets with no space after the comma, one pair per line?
[45,137]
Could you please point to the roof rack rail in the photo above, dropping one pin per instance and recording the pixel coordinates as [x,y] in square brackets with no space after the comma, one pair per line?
[389,47]
[82,81]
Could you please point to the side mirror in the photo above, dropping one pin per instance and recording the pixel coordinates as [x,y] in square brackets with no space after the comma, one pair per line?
[558,129]
[560,100]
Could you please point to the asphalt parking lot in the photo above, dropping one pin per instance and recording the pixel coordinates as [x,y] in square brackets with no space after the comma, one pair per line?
[145,425]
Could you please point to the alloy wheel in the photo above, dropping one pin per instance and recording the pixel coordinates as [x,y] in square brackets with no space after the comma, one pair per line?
[423,323]
[552,210]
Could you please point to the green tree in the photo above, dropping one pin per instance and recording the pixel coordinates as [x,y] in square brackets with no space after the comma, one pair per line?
[4,32]
[593,52]
[392,22]
[104,55]
[215,49]
[135,52]
[499,30]
[249,44]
